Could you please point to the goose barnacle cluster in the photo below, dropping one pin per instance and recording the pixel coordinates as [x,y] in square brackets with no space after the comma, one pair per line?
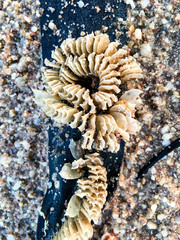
[83,89]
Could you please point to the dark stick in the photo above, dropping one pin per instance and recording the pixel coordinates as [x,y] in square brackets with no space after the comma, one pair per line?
[155,159]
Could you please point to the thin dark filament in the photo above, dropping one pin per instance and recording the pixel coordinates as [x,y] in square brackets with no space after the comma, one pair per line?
[155,159]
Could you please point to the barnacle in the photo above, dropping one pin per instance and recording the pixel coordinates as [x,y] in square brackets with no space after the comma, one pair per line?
[86,204]
[83,90]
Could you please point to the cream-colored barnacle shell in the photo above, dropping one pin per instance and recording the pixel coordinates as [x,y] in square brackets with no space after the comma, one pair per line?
[68,173]
[104,100]
[133,125]
[129,69]
[67,74]
[84,122]
[91,61]
[84,86]
[58,56]
[87,202]
[88,136]
[71,42]
[53,81]
[51,64]
[77,119]
[65,114]
[89,42]
[98,60]
[73,207]
[101,43]
[40,96]
[78,66]
[65,48]
[115,58]
[53,107]
[84,63]
[111,49]
[78,46]
[83,47]
[132,96]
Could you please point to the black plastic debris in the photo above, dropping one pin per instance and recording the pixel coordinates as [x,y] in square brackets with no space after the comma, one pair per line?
[72,18]
[59,191]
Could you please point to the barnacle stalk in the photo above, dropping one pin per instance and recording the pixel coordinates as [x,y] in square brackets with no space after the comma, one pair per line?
[83,89]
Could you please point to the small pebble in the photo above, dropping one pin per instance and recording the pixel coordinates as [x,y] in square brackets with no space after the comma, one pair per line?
[22,65]
[17,185]
[167,136]
[177,219]
[166,142]
[138,34]
[36,121]
[151,225]
[12,113]
[164,233]
[13,76]
[10,237]
[34,29]
[131,2]
[153,207]
[145,3]
[52,26]
[146,50]
[80,4]
[161,216]
[26,144]
[165,129]
[2,15]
